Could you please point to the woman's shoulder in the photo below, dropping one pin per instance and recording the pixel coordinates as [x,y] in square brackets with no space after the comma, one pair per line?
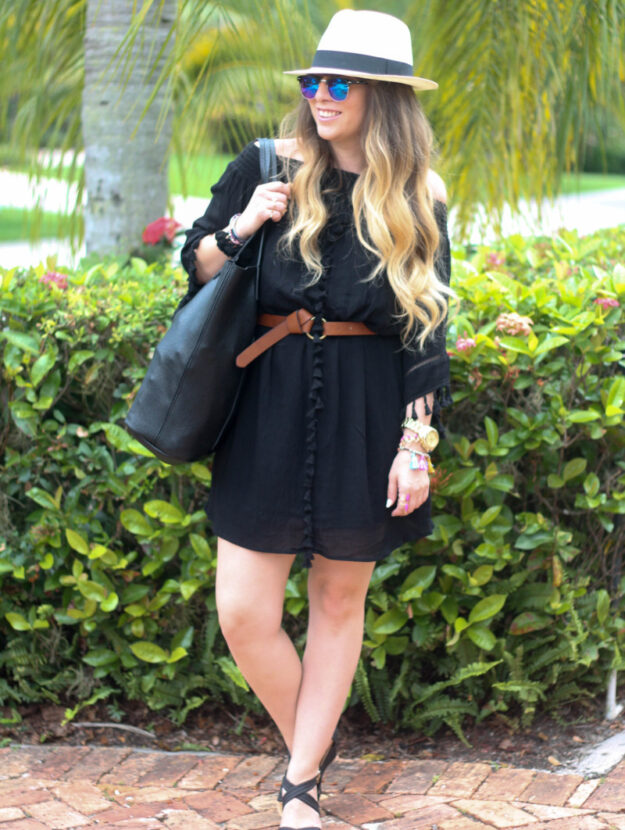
[247,164]
[287,148]
[437,187]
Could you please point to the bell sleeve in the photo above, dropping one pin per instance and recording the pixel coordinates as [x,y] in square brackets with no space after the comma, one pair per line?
[426,371]
[230,195]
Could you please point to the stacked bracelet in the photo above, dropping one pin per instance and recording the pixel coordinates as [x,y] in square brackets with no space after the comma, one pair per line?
[227,240]
[418,460]
[232,231]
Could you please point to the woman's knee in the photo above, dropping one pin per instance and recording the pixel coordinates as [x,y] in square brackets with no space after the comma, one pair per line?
[249,592]
[338,601]
[241,618]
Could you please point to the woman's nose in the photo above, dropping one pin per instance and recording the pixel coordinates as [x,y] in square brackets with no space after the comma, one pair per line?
[322,89]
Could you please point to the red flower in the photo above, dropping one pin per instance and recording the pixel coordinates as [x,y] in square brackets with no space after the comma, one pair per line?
[165,227]
[465,344]
[58,279]
[607,302]
[495,260]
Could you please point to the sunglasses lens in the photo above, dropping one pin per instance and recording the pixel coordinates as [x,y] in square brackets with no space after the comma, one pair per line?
[309,85]
[338,89]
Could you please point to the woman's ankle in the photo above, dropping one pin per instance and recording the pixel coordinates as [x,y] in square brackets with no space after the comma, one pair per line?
[298,772]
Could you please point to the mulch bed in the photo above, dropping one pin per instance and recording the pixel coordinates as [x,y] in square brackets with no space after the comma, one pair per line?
[550,742]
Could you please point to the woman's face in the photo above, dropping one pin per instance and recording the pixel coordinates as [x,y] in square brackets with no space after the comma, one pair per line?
[339,121]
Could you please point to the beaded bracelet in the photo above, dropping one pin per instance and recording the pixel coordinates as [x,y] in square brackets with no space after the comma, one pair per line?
[419,460]
[408,441]
[231,230]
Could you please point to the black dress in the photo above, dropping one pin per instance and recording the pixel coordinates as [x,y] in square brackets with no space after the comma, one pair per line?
[304,467]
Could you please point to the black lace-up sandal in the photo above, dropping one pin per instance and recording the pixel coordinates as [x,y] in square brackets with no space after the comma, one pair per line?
[289,791]
[325,762]
[327,759]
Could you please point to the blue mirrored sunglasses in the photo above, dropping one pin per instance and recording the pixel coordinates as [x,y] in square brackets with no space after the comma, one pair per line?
[337,87]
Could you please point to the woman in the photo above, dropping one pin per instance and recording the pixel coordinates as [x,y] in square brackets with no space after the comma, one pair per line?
[355,235]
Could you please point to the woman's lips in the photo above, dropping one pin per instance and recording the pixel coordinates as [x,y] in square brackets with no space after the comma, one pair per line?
[327,115]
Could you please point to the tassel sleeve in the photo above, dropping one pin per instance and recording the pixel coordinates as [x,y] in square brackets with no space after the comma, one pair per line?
[426,371]
[229,196]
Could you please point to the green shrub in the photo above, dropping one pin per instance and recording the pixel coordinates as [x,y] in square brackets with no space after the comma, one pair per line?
[515,601]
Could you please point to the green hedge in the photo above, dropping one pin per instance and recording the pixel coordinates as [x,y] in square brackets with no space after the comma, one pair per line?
[515,601]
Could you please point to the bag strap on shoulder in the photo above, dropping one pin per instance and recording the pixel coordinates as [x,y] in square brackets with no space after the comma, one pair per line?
[268,172]
[268,161]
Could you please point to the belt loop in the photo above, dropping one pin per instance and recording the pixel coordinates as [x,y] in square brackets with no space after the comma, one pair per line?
[301,325]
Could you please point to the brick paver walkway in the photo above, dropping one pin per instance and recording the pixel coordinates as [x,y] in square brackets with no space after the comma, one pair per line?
[75,787]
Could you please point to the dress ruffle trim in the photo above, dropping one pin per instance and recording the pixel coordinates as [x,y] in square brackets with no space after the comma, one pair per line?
[339,207]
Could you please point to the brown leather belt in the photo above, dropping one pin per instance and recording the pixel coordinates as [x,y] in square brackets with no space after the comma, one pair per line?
[297,322]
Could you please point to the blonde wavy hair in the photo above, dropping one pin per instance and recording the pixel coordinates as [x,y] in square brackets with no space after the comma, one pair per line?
[393,207]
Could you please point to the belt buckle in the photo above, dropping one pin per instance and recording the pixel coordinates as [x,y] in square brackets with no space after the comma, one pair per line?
[321,336]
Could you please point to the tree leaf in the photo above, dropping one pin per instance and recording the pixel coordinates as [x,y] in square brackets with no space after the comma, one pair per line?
[136,522]
[26,342]
[487,607]
[42,498]
[18,622]
[603,605]
[390,622]
[163,510]
[76,541]
[100,657]
[41,367]
[529,621]
[574,468]
[482,637]
[149,652]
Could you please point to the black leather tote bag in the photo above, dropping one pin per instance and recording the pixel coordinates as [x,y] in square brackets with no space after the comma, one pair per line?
[190,390]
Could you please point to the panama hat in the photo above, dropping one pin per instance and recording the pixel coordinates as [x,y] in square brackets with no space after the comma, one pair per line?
[366,44]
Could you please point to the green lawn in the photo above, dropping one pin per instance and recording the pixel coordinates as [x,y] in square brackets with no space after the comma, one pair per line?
[202,173]
[17,223]
[587,182]
[204,169]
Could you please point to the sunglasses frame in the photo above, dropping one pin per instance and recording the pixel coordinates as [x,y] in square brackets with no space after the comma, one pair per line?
[328,83]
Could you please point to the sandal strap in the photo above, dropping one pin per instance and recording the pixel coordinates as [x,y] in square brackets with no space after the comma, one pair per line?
[327,759]
[299,791]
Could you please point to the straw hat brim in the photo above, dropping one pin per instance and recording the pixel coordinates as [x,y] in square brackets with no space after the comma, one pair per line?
[409,80]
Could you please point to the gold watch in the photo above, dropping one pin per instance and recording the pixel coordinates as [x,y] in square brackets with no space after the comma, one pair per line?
[428,436]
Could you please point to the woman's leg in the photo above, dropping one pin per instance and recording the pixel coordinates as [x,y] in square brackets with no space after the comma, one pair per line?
[336,593]
[250,601]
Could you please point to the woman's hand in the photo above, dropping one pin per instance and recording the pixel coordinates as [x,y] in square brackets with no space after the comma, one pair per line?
[410,488]
[269,201]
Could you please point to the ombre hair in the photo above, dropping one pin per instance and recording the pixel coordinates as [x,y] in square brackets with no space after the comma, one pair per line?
[393,207]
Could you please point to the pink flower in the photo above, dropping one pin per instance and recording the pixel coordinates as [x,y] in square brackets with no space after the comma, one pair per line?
[513,323]
[607,302]
[60,280]
[163,228]
[465,344]
[495,260]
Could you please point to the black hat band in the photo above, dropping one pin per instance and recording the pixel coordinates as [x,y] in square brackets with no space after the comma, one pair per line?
[350,61]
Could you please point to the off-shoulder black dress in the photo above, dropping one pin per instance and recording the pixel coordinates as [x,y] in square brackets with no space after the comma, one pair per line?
[304,467]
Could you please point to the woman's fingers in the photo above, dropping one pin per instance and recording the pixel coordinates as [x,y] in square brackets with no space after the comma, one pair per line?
[412,493]
[269,201]
[391,490]
[276,199]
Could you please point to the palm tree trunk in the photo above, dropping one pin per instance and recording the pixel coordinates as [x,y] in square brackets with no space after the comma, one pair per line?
[125,164]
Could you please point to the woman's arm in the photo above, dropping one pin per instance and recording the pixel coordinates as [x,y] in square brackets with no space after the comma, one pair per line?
[269,201]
